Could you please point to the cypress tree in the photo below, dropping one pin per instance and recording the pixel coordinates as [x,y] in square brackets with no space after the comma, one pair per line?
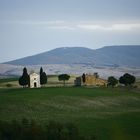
[24,80]
[84,78]
[43,77]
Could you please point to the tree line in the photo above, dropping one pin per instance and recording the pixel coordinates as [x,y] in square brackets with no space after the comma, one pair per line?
[127,80]
[24,80]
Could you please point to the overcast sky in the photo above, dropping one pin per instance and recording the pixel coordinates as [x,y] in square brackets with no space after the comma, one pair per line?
[32,26]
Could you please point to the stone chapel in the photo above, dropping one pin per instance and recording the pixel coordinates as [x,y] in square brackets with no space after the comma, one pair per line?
[34,80]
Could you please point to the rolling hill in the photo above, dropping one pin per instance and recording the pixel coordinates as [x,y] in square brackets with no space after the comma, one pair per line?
[123,55]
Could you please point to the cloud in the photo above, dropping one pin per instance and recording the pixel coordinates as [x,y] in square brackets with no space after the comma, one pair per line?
[63,27]
[110,27]
[74,25]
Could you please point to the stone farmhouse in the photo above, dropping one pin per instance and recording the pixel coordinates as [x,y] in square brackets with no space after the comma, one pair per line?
[34,80]
[90,80]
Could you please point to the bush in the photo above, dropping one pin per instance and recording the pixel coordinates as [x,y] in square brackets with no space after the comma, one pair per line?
[9,85]
[30,130]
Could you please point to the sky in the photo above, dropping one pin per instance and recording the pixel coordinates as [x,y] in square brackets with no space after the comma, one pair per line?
[30,27]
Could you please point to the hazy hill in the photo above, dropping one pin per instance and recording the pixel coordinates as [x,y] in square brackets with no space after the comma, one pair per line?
[121,55]
[109,55]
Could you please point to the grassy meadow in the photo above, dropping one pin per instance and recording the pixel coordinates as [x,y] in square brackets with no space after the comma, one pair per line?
[107,113]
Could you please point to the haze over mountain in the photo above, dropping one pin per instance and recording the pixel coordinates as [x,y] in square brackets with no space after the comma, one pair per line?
[123,55]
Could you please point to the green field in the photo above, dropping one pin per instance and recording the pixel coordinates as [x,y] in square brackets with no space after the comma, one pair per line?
[109,114]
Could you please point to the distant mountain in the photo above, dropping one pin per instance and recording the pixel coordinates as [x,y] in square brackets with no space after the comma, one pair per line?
[123,55]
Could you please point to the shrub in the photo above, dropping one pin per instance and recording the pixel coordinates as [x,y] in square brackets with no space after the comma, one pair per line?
[9,85]
[30,130]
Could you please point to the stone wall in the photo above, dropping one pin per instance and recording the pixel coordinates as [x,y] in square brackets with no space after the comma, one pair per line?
[90,80]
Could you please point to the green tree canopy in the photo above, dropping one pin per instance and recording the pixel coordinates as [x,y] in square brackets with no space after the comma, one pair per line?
[63,77]
[43,77]
[24,80]
[127,79]
[112,81]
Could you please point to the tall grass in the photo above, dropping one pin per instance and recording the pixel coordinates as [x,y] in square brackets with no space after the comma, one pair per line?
[107,113]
